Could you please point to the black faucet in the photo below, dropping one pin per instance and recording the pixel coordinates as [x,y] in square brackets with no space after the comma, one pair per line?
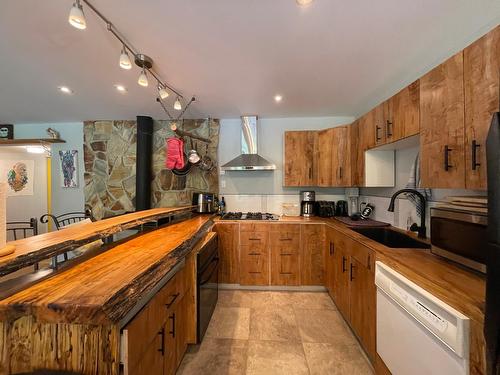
[414,228]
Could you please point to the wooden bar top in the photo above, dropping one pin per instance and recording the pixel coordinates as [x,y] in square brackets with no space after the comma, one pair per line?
[103,289]
[462,289]
[31,250]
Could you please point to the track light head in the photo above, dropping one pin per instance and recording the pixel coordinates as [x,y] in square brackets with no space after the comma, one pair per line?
[162,91]
[143,79]
[125,62]
[177,104]
[76,17]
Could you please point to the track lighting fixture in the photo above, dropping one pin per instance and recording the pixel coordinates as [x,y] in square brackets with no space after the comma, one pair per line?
[162,91]
[125,62]
[143,78]
[177,104]
[76,17]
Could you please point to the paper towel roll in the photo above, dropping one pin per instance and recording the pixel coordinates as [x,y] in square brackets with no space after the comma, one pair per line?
[3,214]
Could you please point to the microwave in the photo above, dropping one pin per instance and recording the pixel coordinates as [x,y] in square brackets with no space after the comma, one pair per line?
[460,236]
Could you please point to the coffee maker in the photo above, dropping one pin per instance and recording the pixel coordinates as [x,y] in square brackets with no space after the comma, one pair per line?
[307,200]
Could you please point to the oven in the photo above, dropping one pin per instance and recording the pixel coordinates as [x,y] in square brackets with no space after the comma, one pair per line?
[207,284]
[460,236]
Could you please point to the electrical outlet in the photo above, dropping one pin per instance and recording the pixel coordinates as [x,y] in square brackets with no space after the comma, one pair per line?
[223,184]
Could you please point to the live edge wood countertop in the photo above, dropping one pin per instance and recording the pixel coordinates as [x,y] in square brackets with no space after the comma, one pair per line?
[462,289]
[103,289]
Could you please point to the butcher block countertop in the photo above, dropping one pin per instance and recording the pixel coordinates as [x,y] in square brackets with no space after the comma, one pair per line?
[462,289]
[106,288]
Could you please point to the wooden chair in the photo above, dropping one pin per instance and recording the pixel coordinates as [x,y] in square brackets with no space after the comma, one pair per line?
[63,220]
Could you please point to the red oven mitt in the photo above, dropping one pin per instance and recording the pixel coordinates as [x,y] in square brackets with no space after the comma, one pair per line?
[175,154]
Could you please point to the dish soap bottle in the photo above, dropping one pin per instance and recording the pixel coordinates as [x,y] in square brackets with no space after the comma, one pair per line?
[222,207]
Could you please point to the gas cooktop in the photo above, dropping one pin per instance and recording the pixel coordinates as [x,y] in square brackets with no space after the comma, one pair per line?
[249,216]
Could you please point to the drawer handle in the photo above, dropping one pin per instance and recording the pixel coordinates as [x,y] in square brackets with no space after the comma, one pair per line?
[174,297]
[332,248]
[351,275]
[388,128]
[286,273]
[344,264]
[172,318]
[254,239]
[253,253]
[254,272]
[447,151]
[475,146]
[286,239]
[377,138]
[369,262]
[162,335]
[286,254]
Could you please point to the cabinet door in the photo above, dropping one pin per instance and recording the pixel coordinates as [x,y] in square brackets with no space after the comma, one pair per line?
[325,154]
[340,277]
[170,351]
[442,125]
[228,234]
[152,358]
[285,254]
[300,149]
[341,164]
[313,256]
[181,329]
[379,125]
[404,113]
[362,304]
[355,155]
[329,261]
[481,70]
[254,258]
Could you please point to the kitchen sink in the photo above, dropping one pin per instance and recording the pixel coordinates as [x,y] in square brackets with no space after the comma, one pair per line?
[391,238]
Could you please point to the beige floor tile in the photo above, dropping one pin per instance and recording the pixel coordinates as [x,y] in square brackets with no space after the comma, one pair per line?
[337,359]
[216,356]
[323,326]
[229,323]
[274,323]
[276,357]
[304,300]
[244,298]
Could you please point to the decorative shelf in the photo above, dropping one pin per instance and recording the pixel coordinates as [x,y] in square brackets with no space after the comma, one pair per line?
[27,141]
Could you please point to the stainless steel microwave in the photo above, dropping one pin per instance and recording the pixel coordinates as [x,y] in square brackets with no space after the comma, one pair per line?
[460,236]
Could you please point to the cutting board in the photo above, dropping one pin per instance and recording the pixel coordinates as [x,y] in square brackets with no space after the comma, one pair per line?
[361,223]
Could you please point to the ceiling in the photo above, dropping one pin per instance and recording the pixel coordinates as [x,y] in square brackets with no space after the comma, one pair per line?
[331,58]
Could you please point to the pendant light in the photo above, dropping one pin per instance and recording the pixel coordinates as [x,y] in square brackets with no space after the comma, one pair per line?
[76,17]
[143,78]
[125,62]
[162,91]
[177,104]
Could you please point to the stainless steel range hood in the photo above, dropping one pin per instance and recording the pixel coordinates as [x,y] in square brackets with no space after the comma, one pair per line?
[249,160]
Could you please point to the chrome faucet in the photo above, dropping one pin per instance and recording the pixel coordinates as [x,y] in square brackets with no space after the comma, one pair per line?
[414,227]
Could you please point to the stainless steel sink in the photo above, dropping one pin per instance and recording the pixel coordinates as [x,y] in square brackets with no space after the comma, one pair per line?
[391,238]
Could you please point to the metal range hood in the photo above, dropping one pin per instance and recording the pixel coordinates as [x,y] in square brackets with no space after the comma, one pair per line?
[249,160]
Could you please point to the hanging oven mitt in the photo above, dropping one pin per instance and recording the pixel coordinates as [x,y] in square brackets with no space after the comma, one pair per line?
[173,153]
[180,160]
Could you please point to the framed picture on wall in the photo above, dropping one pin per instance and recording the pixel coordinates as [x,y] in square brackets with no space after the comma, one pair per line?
[19,176]
[68,168]
[6,131]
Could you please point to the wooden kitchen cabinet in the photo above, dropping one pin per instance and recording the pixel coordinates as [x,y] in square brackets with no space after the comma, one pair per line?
[403,113]
[481,81]
[329,261]
[325,158]
[442,110]
[341,162]
[340,275]
[312,254]
[285,254]
[229,262]
[152,361]
[300,167]
[254,256]
[377,122]
[356,158]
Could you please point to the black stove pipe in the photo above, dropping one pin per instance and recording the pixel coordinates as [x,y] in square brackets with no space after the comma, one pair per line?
[143,163]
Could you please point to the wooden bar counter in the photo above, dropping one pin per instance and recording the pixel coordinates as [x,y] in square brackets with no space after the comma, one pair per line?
[74,320]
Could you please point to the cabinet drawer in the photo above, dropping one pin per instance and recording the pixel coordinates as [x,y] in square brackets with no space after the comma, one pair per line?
[278,227]
[254,227]
[285,268]
[254,238]
[284,238]
[363,255]
[254,266]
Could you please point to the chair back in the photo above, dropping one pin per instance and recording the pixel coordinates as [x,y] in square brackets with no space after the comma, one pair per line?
[68,218]
[22,229]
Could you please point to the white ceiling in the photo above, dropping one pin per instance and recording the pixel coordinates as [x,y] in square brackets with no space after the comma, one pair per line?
[332,58]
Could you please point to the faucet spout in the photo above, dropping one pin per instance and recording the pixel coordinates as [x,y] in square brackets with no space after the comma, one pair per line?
[420,229]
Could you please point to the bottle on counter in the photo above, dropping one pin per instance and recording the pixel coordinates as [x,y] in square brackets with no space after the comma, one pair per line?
[222,206]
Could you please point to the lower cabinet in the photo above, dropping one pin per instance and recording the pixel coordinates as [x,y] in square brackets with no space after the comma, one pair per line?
[285,254]
[254,255]
[312,254]
[351,283]
[155,341]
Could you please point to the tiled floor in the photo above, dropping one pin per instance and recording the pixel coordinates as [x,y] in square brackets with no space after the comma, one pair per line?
[254,332]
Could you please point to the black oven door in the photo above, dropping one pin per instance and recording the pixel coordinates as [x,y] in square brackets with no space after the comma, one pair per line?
[208,292]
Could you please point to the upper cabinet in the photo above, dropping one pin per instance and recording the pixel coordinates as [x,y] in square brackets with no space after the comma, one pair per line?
[325,157]
[404,113]
[442,110]
[481,76]
[334,157]
[300,158]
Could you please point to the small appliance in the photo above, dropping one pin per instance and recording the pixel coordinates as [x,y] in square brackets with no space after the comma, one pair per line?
[367,210]
[325,208]
[307,202]
[205,202]
[341,209]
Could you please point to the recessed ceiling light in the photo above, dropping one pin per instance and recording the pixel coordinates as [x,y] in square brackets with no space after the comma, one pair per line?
[65,89]
[121,88]
[278,98]
[304,3]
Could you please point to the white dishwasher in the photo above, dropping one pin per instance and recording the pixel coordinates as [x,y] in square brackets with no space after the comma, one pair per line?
[418,334]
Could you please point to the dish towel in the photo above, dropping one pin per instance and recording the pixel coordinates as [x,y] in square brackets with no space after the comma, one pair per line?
[175,153]
[414,183]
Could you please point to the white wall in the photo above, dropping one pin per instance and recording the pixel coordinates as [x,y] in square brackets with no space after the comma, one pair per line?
[63,199]
[25,207]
